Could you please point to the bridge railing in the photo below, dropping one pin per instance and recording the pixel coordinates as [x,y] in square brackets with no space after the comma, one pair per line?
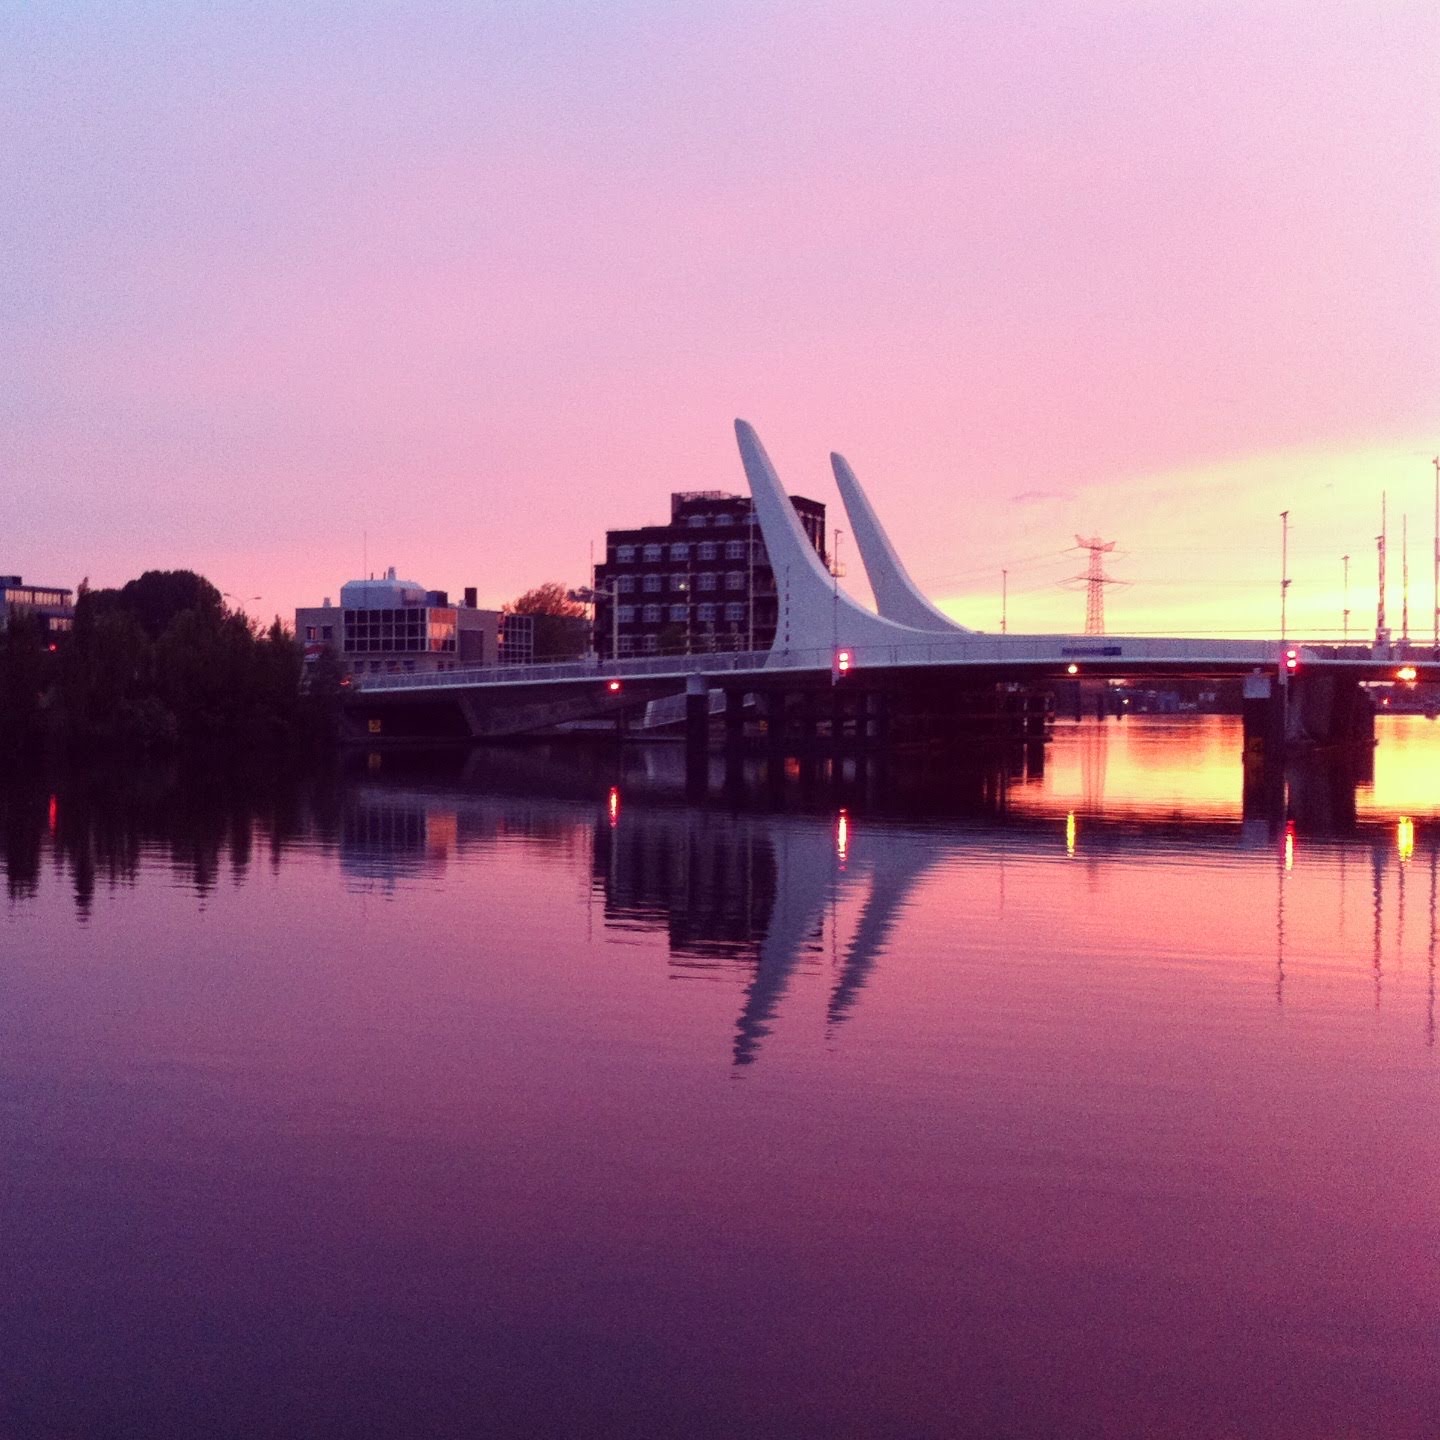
[941,650]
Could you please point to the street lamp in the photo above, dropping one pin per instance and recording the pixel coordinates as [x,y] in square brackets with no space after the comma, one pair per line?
[1284,566]
[588,595]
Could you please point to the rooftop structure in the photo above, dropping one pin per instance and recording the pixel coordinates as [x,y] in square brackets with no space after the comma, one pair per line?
[394,626]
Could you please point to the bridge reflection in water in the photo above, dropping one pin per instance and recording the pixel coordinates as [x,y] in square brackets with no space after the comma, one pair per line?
[764,890]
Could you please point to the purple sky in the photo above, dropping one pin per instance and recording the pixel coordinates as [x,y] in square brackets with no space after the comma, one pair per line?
[484,279]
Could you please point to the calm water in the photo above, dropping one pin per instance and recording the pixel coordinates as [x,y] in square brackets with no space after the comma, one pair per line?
[493,1100]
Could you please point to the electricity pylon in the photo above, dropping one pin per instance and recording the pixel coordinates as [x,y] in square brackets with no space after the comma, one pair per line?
[1095,580]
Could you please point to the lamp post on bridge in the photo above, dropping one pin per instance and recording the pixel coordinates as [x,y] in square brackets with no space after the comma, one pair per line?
[588,595]
[1345,614]
[1284,567]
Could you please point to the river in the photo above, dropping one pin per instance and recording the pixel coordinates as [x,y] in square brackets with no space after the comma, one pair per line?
[510,1094]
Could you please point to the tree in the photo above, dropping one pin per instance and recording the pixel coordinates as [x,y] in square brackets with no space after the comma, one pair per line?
[560,629]
[158,596]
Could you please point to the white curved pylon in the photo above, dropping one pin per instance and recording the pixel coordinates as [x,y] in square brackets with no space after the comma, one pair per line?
[814,614]
[897,597]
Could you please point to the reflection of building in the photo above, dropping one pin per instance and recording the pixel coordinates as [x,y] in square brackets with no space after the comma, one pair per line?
[712,890]
[390,625]
[50,603]
[384,838]
[702,582]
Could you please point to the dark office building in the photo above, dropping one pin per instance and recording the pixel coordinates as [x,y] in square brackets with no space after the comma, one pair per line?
[51,604]
[703,582]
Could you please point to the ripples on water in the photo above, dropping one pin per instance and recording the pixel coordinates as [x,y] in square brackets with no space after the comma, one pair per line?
[521,1098]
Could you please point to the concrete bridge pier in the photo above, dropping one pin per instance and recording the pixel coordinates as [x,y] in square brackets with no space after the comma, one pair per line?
[1327,711]
[697,734]
[1263,716]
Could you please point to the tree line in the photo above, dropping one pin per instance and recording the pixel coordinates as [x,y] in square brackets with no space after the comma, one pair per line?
[158,664]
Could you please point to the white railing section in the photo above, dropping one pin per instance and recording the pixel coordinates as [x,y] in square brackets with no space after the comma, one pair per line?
[941,650]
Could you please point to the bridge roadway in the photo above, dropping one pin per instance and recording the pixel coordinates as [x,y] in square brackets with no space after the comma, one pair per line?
[494,701]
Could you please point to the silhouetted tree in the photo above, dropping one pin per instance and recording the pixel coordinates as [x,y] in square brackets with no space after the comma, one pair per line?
[559,635]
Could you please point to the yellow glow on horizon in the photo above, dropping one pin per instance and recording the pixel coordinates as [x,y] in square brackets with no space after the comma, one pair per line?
[1225,586]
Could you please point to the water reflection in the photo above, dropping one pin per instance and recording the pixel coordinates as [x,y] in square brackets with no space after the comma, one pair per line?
[755,895]
[511,1094]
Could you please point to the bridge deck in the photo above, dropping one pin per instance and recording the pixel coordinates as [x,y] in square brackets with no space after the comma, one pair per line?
[1096,655]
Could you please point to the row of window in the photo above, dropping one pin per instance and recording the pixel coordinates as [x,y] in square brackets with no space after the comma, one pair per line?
[647,644]
[384,644]
[653,614]
[706,550]
[28,595]
[393,667]
[681,582]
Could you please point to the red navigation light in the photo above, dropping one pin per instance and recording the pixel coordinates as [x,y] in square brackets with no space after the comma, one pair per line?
[613,687]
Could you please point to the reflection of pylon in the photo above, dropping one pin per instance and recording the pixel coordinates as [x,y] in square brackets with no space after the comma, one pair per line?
[1095,582]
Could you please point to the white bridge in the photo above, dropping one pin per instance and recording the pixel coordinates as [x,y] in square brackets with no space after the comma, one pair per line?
[822,629]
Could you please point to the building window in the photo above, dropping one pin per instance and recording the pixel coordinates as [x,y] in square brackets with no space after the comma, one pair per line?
[627,644]
[706,551]
[680,552]
[624,554]
[652,584]
[696,522]
[327,633]
[706,581]
[734,611]
[627,614]
[625,584]
[651,615]
[309,632]
[734,579]
[679,612]
[653,553]
[724,519]
[680,582]
[651,643]
[705,612]
[734,549]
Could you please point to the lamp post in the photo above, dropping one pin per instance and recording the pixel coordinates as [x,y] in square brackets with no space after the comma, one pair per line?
[588,595]
[1345,614]
[1284,567]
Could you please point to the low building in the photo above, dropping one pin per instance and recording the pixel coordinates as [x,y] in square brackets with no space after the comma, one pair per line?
[701,583]
[392,626]
[51,603]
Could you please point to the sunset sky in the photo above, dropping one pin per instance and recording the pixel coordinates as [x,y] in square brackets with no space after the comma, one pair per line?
[479,280]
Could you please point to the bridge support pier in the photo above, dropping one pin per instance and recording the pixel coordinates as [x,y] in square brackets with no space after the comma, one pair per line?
[1263,716]
[697,733]
[1326,711]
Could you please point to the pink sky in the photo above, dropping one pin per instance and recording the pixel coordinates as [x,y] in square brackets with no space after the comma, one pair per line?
[484,280]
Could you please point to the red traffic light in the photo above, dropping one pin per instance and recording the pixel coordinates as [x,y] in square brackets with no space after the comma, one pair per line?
[1292,659]
[842,661]
[613,687]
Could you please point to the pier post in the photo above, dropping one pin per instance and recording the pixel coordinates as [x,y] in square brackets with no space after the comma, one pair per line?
[1263,710]
[734,719]
[697,732]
